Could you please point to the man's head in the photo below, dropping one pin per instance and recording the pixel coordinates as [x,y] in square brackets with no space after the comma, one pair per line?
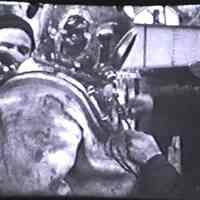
[16,39]
[75,32]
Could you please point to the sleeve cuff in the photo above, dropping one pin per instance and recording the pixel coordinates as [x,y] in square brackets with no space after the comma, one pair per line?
[156,161]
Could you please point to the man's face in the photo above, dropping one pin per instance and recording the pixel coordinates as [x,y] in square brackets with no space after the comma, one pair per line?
[15,46]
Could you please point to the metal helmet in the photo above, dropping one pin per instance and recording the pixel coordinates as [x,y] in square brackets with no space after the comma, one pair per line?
[74,31]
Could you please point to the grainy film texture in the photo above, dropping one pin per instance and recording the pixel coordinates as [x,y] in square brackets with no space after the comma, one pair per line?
[99,101]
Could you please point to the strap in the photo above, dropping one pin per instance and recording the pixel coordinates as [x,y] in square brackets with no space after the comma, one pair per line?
[105,125]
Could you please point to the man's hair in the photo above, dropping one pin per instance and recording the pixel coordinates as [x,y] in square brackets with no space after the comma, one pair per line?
[14,21]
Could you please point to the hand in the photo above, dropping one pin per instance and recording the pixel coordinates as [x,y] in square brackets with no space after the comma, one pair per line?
[132,149]
[141,104]
[141,147]
[116,148]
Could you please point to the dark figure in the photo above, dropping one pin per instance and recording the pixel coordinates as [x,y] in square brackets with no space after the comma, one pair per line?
[156,14]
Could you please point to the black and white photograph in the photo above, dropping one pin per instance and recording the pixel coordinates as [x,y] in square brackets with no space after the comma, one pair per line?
[99,101]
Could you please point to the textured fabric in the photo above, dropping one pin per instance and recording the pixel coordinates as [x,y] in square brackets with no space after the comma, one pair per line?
[45,119]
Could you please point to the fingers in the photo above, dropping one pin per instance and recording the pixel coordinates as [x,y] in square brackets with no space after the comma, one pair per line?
[118,151]
[119,158]
[139,139]
[128,165]
[141,147]
[133,147]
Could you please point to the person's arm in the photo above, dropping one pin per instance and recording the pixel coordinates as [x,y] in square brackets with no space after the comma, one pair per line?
[41,142]
[66,134]
[158,177]
[61,159]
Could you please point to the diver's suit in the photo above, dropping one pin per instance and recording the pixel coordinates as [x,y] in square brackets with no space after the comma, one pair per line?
[51,133]
[52,143]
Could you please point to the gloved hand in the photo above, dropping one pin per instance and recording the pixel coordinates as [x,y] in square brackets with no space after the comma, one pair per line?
[132,149]
[141,147]
[116,148]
